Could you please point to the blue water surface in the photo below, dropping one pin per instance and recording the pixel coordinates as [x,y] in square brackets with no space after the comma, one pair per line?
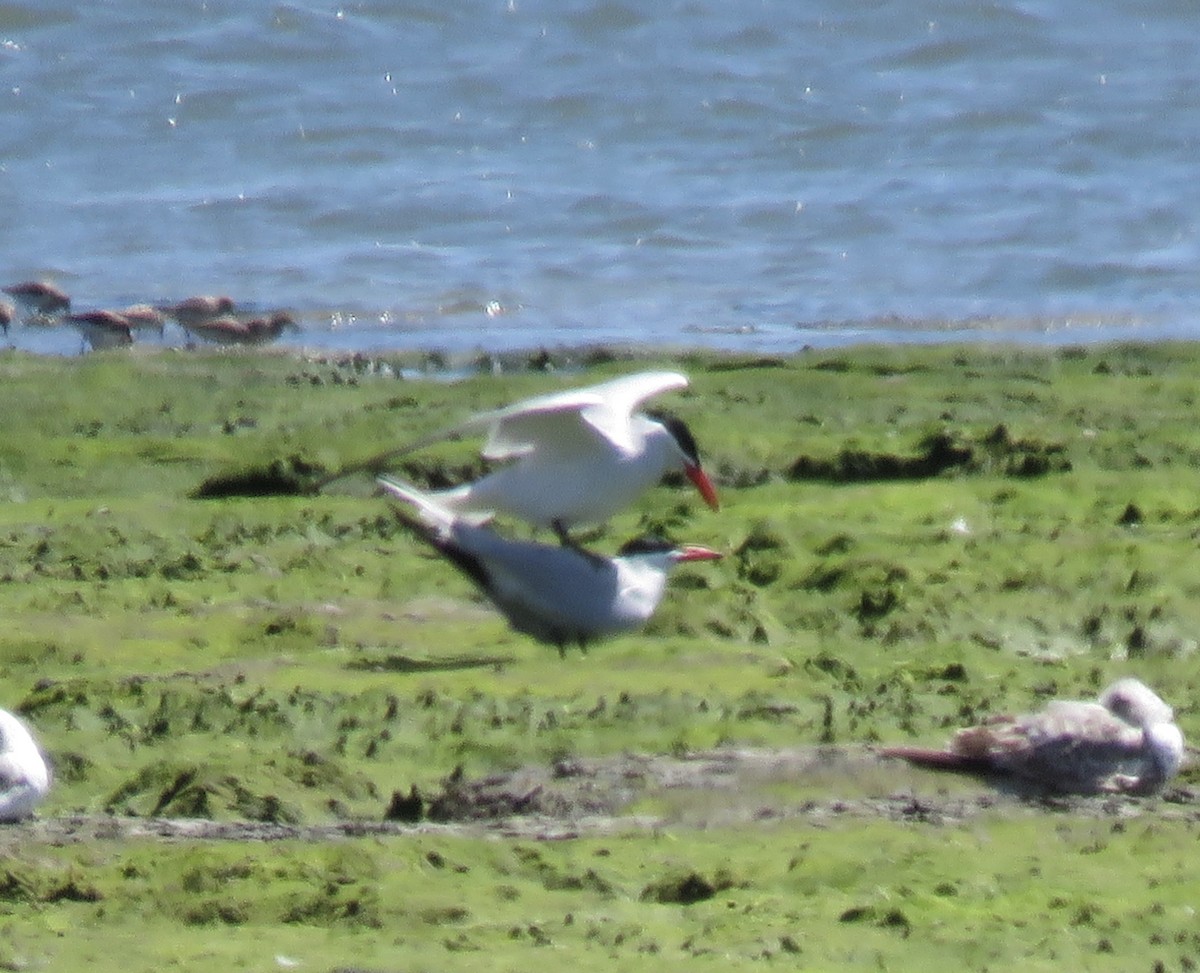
[517,173]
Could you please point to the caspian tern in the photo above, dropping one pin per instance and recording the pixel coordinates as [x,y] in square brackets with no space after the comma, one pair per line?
[557,595]
[1125,742]
[575,457]
[24,775]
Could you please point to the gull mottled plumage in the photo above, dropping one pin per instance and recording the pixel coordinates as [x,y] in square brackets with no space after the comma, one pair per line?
[1124,742]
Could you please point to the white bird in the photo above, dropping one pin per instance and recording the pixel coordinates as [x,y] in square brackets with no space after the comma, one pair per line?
[24,774]
[1125,742]
[576,457]
[557,595]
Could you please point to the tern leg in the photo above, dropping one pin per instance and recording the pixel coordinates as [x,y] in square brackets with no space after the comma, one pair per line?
[567,541]
[560,531]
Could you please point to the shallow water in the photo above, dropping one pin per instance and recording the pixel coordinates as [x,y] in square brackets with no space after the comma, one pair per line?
[761,175]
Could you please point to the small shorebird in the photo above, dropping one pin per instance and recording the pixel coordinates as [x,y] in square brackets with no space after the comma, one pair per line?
[557,595]
[143,317]
[24,775]
[1125,742]
[102,329]
[198,309]
[39,298]
[230,330]
[574,457]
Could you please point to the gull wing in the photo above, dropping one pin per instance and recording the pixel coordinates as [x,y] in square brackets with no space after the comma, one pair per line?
[1082,721]
[1058,722]
[1067,746]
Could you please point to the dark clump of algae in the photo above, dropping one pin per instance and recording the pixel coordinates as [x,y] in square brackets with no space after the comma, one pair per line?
[916,538]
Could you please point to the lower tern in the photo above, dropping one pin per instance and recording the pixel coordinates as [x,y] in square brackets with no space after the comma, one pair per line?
[557,595]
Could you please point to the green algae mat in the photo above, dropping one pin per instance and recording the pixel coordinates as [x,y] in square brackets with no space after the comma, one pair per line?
[285,736]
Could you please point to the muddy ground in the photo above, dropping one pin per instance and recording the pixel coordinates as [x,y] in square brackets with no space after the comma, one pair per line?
[715,788]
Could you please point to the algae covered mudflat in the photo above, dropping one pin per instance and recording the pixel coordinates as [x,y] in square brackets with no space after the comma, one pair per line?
[915,538]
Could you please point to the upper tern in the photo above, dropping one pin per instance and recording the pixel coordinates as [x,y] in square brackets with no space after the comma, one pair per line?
[577,457]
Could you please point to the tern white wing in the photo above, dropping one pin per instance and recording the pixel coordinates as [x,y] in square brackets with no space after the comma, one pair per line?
[556,424]
[564,426]
[621,397]
[553,422]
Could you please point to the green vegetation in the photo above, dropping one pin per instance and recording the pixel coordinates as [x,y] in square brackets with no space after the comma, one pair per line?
[916,538]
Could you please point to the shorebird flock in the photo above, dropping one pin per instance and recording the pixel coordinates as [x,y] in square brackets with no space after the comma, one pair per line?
[574,458]
[205,318]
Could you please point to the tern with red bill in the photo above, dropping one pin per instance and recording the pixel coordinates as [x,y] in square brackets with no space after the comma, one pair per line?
[24,775]
[1125,742]
[557,595]
[575,457]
